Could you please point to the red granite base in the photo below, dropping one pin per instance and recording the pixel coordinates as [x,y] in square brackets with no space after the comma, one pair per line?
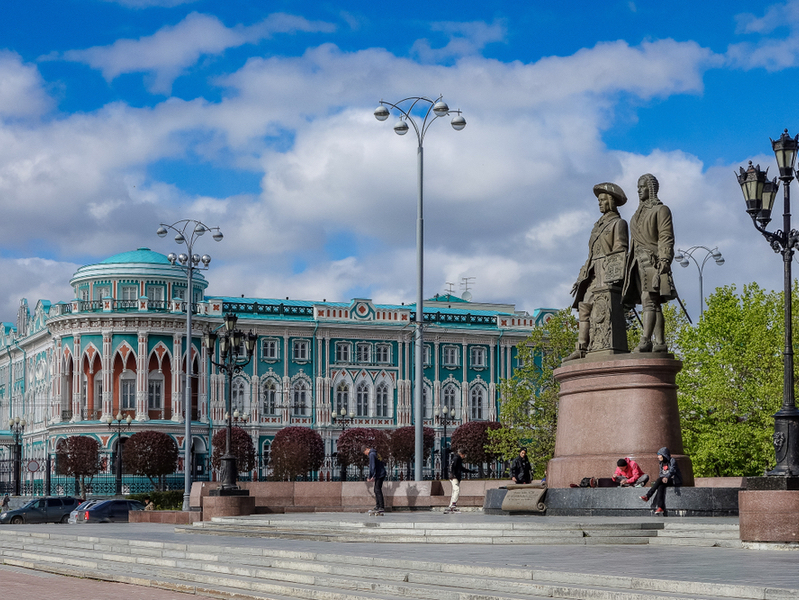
[178,517]
[227,506]
[769,516]
[625,405]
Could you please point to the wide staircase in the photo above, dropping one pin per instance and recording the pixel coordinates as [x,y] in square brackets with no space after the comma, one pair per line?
[225,569]
[436,528]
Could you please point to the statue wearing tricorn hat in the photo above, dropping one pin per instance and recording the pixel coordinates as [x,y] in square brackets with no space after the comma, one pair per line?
[597,291]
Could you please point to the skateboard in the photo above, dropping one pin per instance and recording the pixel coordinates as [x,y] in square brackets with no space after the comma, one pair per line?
[375,513]
[449,511]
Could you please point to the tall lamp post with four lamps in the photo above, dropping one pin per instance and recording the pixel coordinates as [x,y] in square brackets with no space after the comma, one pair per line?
[759,194]
[232,362]
[344,420]
[682,257]
[442,418]
[17,427]
[118,424]
[429,111]
[188,231]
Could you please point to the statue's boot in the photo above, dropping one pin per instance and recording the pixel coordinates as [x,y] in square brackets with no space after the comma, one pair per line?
[648,320]
[659,334]
[582,341]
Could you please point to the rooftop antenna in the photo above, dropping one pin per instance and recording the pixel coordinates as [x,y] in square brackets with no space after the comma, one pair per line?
[450,288]
[465,282]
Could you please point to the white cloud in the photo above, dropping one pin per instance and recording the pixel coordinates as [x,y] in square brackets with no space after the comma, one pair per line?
[771,52]
[33,278]
[464,39]
[21,88]
[171,50]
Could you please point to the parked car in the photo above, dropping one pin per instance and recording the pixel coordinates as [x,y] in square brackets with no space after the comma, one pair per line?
[108,511]
[53,509]
[73,516]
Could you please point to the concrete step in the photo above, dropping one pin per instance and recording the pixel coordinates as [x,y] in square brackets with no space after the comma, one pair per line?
[699,542]
[269,573]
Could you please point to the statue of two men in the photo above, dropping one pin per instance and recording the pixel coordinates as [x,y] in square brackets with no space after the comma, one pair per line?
[620,274]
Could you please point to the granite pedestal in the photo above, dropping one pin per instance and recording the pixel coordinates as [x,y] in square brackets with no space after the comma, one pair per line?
[613,407]
[770,509]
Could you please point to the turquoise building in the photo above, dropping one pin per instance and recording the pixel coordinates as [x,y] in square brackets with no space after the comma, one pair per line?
[120,347]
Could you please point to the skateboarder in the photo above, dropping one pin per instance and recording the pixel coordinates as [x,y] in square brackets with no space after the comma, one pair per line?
[377,473]
[456,472]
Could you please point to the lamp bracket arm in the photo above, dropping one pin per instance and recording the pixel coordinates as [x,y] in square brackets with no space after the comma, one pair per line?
[777,240]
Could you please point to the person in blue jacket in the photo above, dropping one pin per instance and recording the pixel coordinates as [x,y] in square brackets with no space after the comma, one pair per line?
[668,475]
[377,473]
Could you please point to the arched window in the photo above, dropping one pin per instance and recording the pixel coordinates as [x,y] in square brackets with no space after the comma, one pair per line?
[127,390]
[238,394]
[300,399]
[155,391]
[427,403]
[362,400]
[451,400]
[342,398]
[381,400]
[269,397]
[476,401]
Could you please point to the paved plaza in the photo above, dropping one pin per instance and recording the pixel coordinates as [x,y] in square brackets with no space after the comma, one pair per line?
[721,567]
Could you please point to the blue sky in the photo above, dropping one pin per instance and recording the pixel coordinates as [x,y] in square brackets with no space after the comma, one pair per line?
[116,115]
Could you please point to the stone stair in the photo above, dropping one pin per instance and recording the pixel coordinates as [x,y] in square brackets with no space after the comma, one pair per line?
[245,573]
[721,535]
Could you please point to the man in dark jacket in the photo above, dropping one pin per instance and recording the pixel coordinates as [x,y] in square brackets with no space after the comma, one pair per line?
[668,475]
[377,473]
[456,472]
[521,471]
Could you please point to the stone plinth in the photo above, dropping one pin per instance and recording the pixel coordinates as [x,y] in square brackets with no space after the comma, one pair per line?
[227,506]
[613,407]
[525,498]
[176,517]
[768,509]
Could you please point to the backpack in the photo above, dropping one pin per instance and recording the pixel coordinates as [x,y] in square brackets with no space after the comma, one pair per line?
[588,482]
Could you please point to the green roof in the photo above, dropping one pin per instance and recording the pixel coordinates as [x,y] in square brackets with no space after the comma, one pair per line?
[140,255]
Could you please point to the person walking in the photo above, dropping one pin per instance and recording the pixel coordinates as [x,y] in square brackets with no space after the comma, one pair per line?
[668,475]
[521,471]
[6,503]
[456,472]
[377,473]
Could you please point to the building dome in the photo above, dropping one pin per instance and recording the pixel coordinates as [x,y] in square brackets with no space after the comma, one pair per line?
[140,255]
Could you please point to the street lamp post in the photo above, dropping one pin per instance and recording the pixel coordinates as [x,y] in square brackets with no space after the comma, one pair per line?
[17,427]
[682,257]
[118,424]
[434,109]
[442,418]
[344,421]
[232,362]
[759,194]
[188,231]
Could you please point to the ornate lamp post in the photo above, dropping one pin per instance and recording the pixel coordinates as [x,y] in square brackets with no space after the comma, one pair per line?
[344,421]
[232,362]
[17,427]
[430,111]
[441,419]
[682,257]
[759,194]
[187,232]
[118,424]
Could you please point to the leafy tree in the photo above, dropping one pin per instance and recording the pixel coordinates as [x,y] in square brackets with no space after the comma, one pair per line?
[296,451]
[731,382]
[472,438]
[79,456]
[151,453]
[529,398]
[351,442]
[240,446]
[403,445]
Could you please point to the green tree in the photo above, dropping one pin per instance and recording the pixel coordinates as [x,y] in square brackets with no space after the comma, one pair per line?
[731,382]
[529,398]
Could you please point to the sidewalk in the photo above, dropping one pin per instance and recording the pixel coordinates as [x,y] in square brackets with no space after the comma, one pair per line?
[726,566]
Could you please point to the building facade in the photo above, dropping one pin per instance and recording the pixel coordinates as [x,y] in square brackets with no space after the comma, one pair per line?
[120,347]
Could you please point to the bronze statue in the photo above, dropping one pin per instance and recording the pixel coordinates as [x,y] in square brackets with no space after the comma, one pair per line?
[597,289]
[648,278]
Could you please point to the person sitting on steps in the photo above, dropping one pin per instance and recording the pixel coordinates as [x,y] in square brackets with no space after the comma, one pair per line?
[628,473]
[669,475]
